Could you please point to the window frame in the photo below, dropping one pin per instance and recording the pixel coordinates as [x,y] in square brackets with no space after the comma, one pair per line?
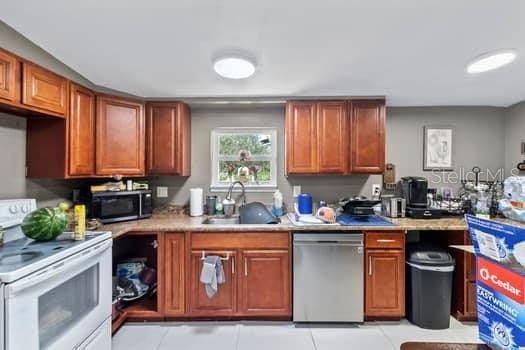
[216,185]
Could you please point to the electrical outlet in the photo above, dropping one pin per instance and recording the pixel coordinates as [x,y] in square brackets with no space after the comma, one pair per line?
[162,192]
[376,190]
[296,191]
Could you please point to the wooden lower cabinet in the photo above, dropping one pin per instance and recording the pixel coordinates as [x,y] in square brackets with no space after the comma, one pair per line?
[174,304]
[257,271]
[385,295]
[385,275]
[224,303]
[265,283]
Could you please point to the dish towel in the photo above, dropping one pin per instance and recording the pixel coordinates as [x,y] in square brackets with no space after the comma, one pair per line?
[212,274]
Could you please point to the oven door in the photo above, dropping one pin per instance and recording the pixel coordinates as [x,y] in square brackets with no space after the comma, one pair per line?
[116,207]
[62,305]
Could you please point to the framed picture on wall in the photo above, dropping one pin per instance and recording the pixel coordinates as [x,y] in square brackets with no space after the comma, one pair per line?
[438,146]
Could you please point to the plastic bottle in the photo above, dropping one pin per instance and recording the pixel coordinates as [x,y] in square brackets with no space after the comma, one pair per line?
[80,222]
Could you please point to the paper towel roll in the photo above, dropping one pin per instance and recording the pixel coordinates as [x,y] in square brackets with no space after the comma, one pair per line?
[196,201]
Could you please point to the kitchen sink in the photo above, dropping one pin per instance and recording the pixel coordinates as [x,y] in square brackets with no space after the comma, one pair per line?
[234,220]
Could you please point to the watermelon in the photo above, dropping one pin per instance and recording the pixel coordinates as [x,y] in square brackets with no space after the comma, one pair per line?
[45,224]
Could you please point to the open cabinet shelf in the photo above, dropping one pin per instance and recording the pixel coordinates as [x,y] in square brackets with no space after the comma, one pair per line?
[142,245]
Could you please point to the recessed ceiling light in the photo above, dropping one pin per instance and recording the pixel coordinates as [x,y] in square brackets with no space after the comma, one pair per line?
[234,67]
[491,60]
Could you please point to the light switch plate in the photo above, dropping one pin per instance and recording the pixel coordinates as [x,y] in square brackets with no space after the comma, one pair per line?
[296,191]
[162,192]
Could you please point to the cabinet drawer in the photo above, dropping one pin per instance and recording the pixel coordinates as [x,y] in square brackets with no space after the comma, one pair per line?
[384,240]
[251,240]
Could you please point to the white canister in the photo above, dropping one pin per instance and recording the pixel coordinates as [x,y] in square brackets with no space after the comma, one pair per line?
[196,202]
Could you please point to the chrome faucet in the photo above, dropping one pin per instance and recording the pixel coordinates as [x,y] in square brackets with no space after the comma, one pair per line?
[243,194]
[228,204]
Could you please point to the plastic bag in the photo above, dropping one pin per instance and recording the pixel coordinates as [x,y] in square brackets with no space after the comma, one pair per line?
[513,205]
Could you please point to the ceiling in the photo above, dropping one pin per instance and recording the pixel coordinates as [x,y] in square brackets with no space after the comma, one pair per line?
[414,52]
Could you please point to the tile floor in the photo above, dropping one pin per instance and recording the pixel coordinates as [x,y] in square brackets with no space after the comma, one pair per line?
[282,336]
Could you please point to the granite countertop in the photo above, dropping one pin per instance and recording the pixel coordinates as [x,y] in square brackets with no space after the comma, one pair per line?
[171,222]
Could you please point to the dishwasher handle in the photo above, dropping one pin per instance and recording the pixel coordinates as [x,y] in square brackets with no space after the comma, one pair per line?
[328,243]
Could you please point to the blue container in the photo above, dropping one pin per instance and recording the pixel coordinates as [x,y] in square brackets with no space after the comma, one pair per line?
[304,203]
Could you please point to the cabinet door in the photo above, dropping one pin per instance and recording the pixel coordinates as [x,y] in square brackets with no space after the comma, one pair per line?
[385,283]
[367,125]
[174,281]
[224,302]
[81,131]
[168,134]
[8,71]
[301,138]
[43,89]
[120,137]
[265,283]
[332,146]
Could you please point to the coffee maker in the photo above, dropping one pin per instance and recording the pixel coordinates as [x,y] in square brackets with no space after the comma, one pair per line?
[414,190]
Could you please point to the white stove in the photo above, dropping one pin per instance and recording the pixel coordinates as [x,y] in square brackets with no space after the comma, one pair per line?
[56,294]
[24,256]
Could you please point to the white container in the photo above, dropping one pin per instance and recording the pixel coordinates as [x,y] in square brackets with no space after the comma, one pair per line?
[196,202]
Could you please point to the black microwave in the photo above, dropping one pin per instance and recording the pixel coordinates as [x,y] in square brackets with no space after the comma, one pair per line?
[111,207]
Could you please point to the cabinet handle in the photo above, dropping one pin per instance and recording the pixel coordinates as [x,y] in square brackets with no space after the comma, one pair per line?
[386,240]
[245,267]
[369,265]
[233,265]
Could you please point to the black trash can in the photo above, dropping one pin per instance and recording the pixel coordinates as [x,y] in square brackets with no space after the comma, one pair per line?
[429,285]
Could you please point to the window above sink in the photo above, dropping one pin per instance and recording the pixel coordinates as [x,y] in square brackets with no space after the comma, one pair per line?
[242,154]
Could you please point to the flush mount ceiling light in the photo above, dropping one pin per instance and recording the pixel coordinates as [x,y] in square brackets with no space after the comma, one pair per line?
[491,60]
[234,66]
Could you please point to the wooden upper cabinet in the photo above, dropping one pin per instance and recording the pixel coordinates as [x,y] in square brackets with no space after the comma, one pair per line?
[120,135]
[174,304]
[224,302]
[81,131]
[332,141]
[44,90]
[9,70]
[168,139]
[265,283]
[367,137]
[385,283]
[301,138]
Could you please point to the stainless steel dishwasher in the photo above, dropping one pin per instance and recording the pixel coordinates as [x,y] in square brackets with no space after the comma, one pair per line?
[328,277]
